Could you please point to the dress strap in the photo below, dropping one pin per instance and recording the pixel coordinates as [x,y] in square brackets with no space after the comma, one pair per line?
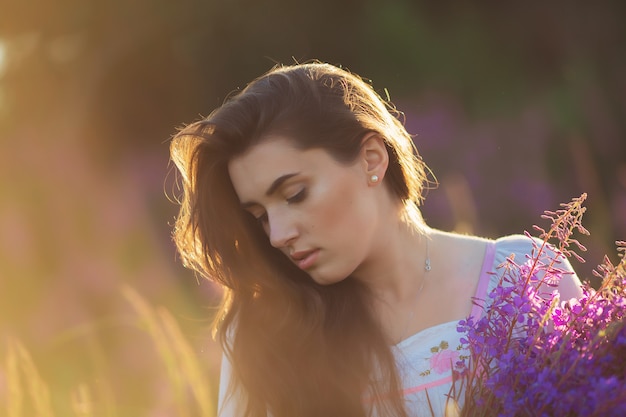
[483,280]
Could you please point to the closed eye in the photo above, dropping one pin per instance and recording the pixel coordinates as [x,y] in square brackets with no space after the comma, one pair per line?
[258,215]
[298,197]
[262,219]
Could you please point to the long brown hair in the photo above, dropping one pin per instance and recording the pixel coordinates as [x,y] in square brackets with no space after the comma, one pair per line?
[297,348]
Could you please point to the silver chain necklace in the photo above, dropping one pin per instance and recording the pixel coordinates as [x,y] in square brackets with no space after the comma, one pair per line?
[427,268]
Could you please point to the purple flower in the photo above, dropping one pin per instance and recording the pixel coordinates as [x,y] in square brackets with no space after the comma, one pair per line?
[533,355]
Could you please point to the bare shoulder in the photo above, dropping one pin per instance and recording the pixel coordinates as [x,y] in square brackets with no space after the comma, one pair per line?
[461,258]
[456,266]
[464,248]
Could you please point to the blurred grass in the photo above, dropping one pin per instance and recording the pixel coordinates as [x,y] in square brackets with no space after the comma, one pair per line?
[185,380]
[189,383]
[27,393]
[511,117]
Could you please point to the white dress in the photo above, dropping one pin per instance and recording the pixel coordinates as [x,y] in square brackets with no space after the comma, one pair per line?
[425,359]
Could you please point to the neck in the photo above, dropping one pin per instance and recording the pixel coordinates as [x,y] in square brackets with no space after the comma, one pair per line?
[396,269]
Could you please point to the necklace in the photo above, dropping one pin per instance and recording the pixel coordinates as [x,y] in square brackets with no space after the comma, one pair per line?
[427,268]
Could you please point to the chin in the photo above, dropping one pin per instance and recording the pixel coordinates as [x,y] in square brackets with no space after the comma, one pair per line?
[327,278]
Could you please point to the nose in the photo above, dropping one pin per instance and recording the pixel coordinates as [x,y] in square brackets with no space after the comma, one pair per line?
[281,229]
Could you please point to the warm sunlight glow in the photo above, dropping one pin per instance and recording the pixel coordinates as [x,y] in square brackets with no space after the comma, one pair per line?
[3,67]
[3,57]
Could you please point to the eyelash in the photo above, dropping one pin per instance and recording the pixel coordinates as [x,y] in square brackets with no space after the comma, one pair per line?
[296,198]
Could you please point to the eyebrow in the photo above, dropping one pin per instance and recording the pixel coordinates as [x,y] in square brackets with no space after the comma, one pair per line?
[272,188]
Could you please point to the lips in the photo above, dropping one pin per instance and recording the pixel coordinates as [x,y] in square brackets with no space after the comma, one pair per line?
[305,259]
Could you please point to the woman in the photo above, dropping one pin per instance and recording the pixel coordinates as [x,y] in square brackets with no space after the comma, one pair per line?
[301,198]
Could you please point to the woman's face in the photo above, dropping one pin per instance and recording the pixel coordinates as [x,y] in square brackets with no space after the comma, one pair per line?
[317,211]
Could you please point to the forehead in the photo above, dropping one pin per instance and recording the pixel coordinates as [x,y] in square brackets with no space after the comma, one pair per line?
[265,157]
[254,171]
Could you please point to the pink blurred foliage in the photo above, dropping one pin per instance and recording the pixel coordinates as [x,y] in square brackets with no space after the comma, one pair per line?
[71,234]
[498,172]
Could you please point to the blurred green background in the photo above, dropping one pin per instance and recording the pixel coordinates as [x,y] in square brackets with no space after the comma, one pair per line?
[517,106]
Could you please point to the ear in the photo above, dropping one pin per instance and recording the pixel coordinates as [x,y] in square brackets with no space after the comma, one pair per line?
[375,157]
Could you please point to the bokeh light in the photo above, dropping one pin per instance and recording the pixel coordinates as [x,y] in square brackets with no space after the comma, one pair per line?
[515,107]
[3,58]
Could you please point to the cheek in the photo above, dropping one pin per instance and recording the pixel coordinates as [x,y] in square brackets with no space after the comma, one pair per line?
[342,213]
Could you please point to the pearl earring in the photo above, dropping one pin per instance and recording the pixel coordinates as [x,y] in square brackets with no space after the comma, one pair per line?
[374,178]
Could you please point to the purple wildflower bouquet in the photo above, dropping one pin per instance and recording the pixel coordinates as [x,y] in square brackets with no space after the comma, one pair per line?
[533,354]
